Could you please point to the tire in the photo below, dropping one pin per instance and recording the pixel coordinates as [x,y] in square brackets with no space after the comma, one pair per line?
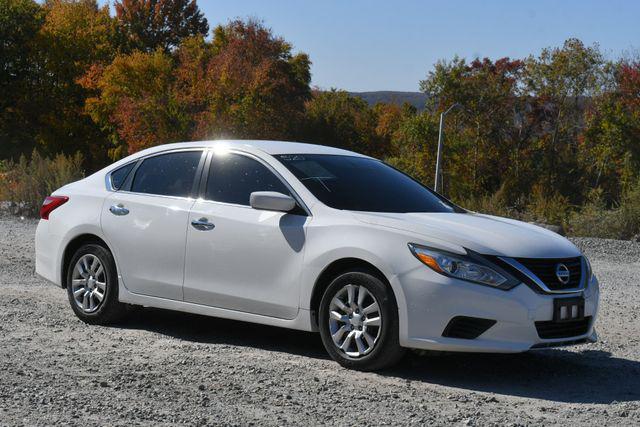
[369,354]
[87,305]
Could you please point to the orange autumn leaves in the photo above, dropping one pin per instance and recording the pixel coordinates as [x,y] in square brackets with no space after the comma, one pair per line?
[243,83]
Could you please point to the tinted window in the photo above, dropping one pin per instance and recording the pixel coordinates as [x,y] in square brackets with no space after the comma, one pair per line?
[361,184]
[119,175]
[233,177]
[169,174]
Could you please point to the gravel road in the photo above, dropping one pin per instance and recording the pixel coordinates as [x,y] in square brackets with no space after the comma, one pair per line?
[170,368]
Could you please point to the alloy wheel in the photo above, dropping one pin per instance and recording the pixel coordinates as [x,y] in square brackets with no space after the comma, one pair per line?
[89,283]
[355,320]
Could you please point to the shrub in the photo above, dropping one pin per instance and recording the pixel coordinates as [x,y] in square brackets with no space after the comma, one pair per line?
[629,212]
[26,183]
[496,204]
[491,205]
[547,208]
[621,222]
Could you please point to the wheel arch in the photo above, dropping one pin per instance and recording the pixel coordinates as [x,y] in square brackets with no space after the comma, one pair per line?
[333,270]
[71,248]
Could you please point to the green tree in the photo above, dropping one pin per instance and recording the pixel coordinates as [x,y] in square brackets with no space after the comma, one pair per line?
[153,24]
[414,145]
[20,22]
[76,35]
[337,119]
[560,82]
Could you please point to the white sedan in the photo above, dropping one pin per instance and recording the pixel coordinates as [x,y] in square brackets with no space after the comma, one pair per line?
[312,238]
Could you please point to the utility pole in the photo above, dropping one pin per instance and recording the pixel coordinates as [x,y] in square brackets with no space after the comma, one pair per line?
[440,142]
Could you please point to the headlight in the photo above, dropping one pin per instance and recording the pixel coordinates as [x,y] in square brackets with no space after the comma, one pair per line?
[589,270]
[471,267]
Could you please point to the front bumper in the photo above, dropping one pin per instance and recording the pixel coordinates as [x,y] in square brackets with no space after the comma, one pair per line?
[432,300]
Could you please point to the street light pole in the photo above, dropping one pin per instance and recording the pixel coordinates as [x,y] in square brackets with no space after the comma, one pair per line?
[440,141]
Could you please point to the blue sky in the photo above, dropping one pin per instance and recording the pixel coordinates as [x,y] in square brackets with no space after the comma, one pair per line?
[363,45]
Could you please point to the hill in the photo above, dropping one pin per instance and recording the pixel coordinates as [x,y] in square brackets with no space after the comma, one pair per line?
[417,99]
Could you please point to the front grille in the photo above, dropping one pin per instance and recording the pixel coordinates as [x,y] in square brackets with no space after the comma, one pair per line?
[545,270]
[551,330]
[467,327]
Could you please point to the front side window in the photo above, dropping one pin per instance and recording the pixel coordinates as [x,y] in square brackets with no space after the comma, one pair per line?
[362,184]
[233,177]
[170,174]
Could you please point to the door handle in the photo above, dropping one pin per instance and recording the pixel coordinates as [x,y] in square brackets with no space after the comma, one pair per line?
[202,224]
[118,209]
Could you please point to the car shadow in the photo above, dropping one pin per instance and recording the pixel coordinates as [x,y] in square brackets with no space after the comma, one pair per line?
[582,376]
[212,330]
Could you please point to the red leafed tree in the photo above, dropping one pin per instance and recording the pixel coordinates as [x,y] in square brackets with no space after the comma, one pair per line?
[252,86]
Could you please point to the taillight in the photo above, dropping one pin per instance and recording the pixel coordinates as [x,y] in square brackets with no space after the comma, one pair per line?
[51,203]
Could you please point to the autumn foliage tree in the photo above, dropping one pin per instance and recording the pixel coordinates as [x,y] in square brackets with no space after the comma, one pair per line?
[137,103]
[245,83]
[76,35]
[611,141]
[536,137]
[480,149]
[253,86]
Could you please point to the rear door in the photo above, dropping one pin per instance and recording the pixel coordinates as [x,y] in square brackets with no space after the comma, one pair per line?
[145,222]
[246,259]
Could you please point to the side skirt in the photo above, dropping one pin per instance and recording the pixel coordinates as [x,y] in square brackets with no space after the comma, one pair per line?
[301,322]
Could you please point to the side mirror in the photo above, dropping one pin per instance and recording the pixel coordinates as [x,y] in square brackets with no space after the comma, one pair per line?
[271,201]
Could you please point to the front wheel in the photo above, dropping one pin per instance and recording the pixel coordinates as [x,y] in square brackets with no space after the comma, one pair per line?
[92,286]
[359,322]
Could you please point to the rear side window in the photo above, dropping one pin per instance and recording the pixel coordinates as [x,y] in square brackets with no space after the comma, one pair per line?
[169,174]
[119,175]
[233,177]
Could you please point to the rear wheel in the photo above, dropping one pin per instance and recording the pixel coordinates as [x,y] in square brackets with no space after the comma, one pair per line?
[92,285]
[359,322]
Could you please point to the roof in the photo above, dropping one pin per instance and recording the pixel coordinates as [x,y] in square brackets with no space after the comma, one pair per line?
[269,147]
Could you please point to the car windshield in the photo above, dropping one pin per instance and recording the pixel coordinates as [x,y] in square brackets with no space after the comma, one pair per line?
[362,184]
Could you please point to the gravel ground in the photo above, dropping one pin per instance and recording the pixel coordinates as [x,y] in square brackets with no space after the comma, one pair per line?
[172,368]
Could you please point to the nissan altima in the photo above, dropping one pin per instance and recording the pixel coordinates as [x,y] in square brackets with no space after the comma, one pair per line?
[311,238]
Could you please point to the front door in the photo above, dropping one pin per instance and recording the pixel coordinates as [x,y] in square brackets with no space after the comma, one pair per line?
[240,258]
[145,223]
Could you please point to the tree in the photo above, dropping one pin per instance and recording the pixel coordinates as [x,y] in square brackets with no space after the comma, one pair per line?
[480,133]
[136,101]
[20,21]
[414,145]
[243,84]
[610,147]
[76,35]
[560,82]
[254,87]
[389,117]
[337,119]
[152,24]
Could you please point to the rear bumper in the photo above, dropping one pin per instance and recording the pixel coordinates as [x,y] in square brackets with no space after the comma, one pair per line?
[432,301]
[47,251]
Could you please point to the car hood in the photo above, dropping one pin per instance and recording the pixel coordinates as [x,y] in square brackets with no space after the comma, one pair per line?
[485,234]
